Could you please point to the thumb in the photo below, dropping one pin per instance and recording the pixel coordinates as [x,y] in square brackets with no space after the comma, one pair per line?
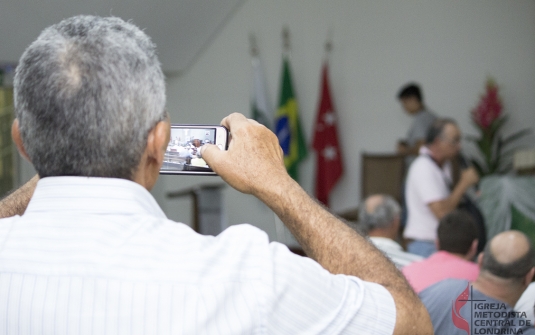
[212,155]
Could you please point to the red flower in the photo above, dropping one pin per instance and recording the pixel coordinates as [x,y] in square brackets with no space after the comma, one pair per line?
[489,107]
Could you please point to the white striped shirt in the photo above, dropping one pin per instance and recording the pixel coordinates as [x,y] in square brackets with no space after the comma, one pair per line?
[98,256]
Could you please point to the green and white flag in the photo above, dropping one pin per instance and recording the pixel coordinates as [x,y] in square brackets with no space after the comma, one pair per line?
[261,109]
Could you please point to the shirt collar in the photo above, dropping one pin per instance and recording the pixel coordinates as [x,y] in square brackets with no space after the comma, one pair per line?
[424,150]
[386,242]
[92,195]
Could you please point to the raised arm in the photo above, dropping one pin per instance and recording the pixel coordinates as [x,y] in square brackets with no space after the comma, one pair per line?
[469,177]
[254,164]
[16,202]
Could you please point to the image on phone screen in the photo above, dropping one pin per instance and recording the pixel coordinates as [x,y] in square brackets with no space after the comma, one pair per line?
[183,153]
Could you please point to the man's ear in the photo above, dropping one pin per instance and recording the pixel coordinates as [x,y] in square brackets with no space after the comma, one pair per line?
[529,277]
[472,252]
[158,140]
[15,134]
[480,259]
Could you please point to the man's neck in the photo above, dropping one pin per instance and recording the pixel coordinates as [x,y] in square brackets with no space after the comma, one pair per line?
[386,233]
[418,111]
[435,156]
[465,257]
[497,288]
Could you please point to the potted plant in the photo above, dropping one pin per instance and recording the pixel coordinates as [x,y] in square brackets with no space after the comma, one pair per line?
[495,152]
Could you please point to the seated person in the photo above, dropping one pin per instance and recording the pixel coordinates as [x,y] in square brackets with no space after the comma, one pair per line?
[526,303]
[457,245]
[93,250]
[194,150]
[486,305]
[379,217]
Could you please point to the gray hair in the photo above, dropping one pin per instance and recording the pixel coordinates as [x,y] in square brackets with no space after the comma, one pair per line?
[383,216]
[437,128]
[87,92]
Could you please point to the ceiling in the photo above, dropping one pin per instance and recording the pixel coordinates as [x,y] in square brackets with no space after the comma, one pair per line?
[180,28]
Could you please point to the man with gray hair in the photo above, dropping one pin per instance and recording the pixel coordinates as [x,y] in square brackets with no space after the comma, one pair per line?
[429,192]
[379,216]
[485,306]
[92,252]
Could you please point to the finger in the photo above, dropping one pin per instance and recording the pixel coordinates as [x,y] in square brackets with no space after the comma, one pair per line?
[212,155]
[233,121]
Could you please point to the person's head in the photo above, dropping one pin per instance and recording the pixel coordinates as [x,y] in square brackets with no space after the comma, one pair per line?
[411,98]
[510,258]
[196,143]
[458,234]
[444,138]
[89,98]
[380,213]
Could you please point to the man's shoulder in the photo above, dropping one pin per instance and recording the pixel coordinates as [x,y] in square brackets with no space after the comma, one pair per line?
[7,223]
[395,252]
[244,230]
[241,238]
[445,288]
[442,265]
[422,164]
[135,248]
[425,116]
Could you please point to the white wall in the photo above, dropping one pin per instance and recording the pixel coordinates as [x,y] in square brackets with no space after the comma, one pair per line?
[449,47]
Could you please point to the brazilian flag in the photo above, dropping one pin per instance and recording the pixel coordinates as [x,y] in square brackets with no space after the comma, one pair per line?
[288,126]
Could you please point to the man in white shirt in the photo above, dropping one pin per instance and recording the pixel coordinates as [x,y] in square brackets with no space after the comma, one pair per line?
[379,215]
[526,303]
[93,252]
[429,192]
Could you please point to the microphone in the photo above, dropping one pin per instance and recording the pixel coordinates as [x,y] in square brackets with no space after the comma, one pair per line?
[465,164]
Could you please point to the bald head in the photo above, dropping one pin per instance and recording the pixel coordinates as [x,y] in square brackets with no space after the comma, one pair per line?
[372,202]
[509,246]
[509,255]
[378,211]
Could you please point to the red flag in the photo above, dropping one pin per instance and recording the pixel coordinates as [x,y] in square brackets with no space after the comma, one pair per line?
[329,168]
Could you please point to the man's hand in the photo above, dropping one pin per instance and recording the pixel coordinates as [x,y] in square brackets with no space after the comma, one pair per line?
[469,177]
[402,148]
[254,159]
[441,208]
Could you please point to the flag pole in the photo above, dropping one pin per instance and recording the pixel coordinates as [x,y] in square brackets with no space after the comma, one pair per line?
[286,41]
[253,45]
[328,45]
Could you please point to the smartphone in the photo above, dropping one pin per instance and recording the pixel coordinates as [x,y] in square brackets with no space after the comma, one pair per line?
[183,154]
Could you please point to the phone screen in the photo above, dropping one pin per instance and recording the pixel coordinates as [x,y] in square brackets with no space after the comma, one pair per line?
[183,154]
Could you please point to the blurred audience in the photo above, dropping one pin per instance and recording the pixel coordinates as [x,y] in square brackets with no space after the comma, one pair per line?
[379,216]
[507,268]
[457,245]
